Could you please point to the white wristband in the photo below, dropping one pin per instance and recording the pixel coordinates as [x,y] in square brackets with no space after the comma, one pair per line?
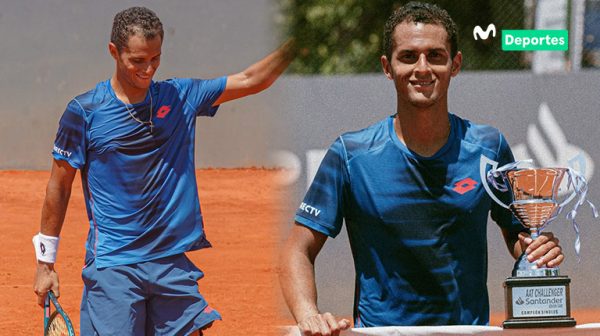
[45,247]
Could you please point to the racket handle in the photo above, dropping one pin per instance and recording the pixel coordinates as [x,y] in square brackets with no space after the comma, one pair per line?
[46,310]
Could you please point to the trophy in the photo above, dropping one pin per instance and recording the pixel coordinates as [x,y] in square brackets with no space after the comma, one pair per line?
[535,296]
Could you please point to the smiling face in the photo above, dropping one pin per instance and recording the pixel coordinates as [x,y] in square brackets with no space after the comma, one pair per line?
[137,62]
[421,64]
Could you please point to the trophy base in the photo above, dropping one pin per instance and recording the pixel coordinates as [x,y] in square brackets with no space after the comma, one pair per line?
[537,323]
[538,302]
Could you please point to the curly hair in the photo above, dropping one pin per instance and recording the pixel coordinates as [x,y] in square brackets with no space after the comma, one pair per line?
[419,12]
[132,21]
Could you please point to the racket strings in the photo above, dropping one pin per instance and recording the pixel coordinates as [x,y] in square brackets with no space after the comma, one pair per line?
[57,326]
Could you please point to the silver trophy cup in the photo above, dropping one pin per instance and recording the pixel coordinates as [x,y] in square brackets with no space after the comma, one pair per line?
[535,296]
[535,204]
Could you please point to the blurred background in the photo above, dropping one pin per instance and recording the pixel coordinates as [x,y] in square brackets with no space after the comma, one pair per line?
[546,103]
[345,36]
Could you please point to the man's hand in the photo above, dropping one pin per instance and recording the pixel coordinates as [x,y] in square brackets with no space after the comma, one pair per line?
[322,325]
[45,279]
[544,251]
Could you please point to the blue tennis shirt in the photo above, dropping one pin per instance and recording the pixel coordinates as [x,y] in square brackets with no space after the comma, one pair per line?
[416,225]
[139,186]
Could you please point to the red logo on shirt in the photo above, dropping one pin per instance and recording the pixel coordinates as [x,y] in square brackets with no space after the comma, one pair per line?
[464,185]
[163,111]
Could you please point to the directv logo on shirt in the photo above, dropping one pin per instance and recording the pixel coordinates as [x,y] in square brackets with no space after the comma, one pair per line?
[310,209]
[62,152]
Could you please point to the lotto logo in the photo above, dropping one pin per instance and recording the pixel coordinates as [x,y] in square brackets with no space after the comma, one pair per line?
[163,111]
[464,185]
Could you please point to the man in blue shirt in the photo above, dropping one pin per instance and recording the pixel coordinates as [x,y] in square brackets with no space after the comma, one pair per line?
[410,193]
[133,140]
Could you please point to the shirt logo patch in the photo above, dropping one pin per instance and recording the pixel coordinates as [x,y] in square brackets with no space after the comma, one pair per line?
[310,209]
[464,185]
[163,111]
[62,152]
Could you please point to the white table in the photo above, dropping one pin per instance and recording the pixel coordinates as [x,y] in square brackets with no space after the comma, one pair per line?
[591,329]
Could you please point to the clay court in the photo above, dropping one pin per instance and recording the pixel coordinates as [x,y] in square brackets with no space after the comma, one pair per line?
[241,212]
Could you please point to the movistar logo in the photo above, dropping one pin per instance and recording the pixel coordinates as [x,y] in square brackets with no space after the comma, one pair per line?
[479,32]
[549,146]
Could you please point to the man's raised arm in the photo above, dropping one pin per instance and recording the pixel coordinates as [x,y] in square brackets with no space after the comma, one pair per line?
[259,75]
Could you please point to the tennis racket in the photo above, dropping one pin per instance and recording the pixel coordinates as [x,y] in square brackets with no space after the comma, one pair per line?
[56,323]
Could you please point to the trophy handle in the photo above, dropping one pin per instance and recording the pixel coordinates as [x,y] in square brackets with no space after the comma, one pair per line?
[483,163]
[576,177]
[571,177]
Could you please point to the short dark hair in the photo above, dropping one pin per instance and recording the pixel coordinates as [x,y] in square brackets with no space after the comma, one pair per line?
[132,21]
[419,12]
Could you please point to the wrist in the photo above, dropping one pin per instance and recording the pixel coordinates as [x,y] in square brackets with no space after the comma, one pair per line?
[307,313]
[45,267]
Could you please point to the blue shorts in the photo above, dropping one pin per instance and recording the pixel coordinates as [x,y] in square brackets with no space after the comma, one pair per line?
[158,297]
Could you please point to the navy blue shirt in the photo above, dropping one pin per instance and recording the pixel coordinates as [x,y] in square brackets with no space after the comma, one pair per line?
[139,184]
[417,225]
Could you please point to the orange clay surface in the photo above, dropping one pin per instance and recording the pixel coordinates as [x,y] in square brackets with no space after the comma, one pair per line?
[241,209]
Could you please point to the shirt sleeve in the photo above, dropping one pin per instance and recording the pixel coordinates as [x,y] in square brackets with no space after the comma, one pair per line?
[322,208]
[71,138]
[201,94]
[502,216]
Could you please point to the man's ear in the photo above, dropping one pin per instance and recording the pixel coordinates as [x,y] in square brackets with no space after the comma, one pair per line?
[386,66]
[112,49]
[456,64]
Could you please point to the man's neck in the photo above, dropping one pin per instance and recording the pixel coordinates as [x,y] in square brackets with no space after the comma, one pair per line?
[127,93]
[423,131]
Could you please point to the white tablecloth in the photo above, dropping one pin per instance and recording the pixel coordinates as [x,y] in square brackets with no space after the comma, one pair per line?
[591,329]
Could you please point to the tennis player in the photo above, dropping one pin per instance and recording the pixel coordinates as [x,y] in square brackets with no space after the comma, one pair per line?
[409,190]
[132,138]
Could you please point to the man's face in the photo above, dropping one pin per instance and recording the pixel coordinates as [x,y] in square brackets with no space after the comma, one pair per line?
[138,61]
[420,64]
